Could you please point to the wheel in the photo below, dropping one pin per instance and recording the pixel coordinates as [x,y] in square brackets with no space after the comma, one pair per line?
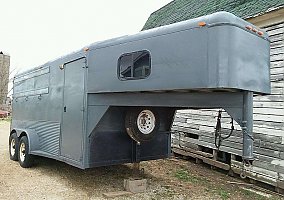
[25,159]
[142,123]
[13,146]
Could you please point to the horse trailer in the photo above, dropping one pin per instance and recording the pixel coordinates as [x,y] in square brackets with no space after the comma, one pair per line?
[114,101]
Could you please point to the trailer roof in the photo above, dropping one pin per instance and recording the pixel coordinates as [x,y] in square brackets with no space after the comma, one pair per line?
[219,17]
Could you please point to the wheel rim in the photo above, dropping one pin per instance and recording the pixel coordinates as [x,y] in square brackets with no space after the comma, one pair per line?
[22,152]
[13,147]
[146,122]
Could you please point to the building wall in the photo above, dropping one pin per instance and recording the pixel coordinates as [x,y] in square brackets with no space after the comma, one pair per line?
[4,76]
[194,129]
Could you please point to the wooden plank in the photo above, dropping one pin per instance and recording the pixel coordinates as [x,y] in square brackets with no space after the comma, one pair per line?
[236,142]
[272,146]
[278,91]
[268,166]
[277,84]
[188,145]
[179,119]
[227,143]
[204,159]
[268,125]
[269,118]
[276,44]
[264,104]
[267,131]
[276,66]
[274,98]
[256,175]
[254,169]
[277,50]
[259,119]
[277,77]
[197,152]
[272,27]
[277,57]
[260,127]
[268,138]
[278,37]
[275,31]
[269,111]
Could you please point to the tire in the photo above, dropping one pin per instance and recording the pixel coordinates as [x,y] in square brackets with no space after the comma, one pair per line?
[25,159]
[13,146]
[142,124]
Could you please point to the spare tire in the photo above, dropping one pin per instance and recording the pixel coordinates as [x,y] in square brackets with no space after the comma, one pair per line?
[142,123]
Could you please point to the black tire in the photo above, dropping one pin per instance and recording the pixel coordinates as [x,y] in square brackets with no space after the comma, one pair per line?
[25,159]
[13,146]
[132,126]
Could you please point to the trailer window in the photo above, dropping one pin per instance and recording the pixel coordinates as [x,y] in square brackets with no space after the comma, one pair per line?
[134,65]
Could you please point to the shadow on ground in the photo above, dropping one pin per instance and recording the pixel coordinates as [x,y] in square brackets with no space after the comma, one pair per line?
[102,179]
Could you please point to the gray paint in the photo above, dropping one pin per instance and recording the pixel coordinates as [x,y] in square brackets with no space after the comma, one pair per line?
[192,67]
[73,99]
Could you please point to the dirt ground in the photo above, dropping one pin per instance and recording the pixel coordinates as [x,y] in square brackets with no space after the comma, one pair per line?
[167,179]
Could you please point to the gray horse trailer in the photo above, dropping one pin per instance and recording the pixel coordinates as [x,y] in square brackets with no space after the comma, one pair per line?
[114,101]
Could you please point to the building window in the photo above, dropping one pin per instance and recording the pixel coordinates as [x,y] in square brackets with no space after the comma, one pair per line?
[136,65]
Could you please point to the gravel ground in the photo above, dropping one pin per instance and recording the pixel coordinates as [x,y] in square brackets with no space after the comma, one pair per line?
[167,179]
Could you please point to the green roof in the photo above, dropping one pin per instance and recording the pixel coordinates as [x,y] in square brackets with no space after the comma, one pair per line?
[180,10]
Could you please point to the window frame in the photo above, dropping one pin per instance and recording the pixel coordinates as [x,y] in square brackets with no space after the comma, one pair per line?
[132,72]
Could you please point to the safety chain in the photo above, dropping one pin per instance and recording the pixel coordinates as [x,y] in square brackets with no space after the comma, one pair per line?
[218,134]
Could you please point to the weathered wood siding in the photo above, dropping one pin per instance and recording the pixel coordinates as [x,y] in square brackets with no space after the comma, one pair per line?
[194,129]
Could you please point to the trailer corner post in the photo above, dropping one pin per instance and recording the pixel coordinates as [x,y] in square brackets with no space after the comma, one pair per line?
[247,126]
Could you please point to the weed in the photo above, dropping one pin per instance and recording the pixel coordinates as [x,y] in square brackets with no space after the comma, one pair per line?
[224,194]
[183,175]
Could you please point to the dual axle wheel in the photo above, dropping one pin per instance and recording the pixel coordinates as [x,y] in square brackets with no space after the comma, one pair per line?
[141,125]
[19,150]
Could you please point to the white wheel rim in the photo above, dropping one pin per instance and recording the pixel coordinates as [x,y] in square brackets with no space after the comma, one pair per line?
[146,122]
[13,147]
[22,152]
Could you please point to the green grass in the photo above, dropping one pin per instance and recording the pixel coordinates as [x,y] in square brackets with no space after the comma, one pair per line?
[184,175]
[224,194]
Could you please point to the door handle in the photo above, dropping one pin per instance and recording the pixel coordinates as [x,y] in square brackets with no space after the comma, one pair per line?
[64,109]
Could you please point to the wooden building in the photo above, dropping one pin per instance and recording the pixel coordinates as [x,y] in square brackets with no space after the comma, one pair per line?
[194,130]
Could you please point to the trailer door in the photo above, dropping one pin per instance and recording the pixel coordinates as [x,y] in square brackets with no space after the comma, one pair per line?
[72,122]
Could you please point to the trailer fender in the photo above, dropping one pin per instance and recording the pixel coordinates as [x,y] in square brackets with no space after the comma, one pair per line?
[32,138]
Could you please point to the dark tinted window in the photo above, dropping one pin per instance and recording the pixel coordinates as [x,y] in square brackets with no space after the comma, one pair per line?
[126,66]
[134,65]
